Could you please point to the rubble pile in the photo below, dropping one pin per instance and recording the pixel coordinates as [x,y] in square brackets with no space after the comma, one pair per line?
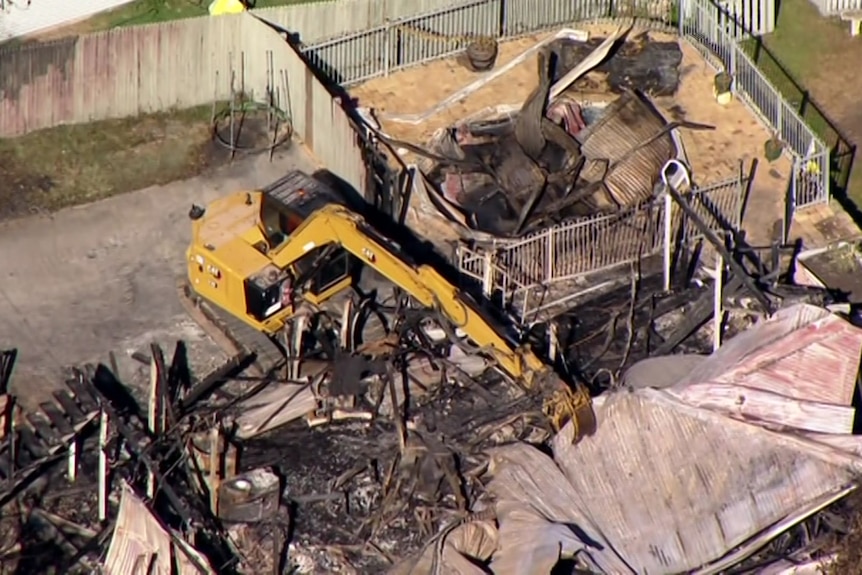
[514,171]
[724,436]
[464,472]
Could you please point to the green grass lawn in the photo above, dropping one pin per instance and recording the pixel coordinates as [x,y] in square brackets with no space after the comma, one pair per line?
[151,11]
[50,169]
[814,62]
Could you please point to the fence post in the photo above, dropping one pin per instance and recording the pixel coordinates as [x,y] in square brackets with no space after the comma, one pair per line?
[790,202]
[718,312]
[668,205]
[734,46]
[825,170]
[549,256]
[387,47]
[680,16]
[779,117]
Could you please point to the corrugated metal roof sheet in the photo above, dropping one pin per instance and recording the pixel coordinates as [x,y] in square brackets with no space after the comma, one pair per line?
[22,19]
[626,138]
[803,352]
[140,540]
[673,487]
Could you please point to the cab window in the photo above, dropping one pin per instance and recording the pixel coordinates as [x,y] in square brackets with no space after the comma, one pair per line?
[278,221]
[334,269]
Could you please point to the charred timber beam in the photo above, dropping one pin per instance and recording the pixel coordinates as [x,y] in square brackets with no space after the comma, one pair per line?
[7,362]
[738,270]
[164,394]
[528,124]
[179,377]
[138,451]
[94,546]
[204,387]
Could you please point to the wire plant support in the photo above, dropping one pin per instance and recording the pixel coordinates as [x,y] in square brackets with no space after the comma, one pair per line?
[249,126]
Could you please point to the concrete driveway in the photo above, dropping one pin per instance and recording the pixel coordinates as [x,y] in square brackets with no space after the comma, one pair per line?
[93,279]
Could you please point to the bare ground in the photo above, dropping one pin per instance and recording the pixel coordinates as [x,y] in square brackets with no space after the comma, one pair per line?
[92,279]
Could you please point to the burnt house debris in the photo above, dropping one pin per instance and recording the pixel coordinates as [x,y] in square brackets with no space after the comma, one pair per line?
[551,160]
[423,457]
[383,442]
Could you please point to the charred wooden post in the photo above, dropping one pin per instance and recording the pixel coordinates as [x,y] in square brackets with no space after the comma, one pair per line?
[137,444]
[163,388]
[153,416]
[738,270]
[296,345]
[11,447]
[213,479]
[289,337]
[7,364]
[345,340]
[718,311]
[103,466]
[553,342]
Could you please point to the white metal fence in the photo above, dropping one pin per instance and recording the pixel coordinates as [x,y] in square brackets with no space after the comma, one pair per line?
[836,7]
[418,38]
[723,41]
[719,31]
[515,271]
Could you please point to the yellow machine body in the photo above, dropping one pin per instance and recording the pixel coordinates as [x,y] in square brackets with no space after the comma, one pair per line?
[250,251]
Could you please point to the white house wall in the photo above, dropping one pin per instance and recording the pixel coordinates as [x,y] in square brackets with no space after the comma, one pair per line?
[17,18]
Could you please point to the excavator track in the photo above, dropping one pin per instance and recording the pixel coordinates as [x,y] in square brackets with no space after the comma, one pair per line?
[232,334]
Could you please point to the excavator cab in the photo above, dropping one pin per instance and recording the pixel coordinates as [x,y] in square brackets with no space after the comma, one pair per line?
[234,240]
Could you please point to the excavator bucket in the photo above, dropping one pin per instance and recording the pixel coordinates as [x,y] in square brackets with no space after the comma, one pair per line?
[567,405]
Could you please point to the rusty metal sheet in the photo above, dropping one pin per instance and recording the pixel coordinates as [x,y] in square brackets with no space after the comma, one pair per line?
[628,122]
[803,352]
[674,487]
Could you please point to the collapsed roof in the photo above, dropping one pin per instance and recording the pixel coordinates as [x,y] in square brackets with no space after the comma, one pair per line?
[671,484]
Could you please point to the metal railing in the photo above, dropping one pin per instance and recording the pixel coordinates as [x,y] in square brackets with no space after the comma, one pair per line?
[413,40]
[718,34]
[722,41]
[836,7]
[509,270]
[589,245]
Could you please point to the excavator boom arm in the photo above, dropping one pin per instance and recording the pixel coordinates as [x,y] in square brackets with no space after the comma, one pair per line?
[337,225]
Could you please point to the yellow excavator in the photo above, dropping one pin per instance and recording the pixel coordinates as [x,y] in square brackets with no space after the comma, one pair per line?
[260,255]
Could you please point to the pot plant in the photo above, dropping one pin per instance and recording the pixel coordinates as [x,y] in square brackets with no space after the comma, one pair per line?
[482,53]
[772,148]
[721,85]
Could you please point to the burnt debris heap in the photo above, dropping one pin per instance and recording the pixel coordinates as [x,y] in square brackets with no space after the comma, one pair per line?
[384,442]
[552,160]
